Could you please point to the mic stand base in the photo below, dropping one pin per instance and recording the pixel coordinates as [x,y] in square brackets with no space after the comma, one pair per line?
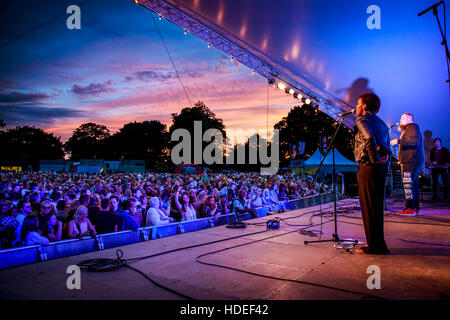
[336,239]
[237,224]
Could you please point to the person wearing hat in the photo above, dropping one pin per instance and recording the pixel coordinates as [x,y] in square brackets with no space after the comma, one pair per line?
[411,156]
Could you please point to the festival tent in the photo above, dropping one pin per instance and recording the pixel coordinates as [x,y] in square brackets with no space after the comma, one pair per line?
[341,162]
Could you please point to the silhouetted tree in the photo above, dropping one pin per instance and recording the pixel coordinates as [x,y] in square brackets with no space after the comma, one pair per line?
[199,112]
[29,144]
[88,141]
[306,124]
[2,123]
[250,146]
[146,140]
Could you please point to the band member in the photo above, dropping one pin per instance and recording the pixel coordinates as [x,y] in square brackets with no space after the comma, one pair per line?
[439,156]
[411,155]
[372,153]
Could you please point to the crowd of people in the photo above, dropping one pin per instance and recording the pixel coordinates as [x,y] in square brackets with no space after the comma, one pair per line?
[39,208]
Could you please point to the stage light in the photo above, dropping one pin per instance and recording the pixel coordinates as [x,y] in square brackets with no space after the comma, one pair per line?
[185,32]
[291,91]
[281,86]
[232,58]
[271,81]
[308,101]
[298,96]
[160,17]
[209,45]
[253,72]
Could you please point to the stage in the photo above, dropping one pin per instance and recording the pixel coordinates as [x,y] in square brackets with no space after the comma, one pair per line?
[415,270]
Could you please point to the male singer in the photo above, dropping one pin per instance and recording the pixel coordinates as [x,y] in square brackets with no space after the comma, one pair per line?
[372,152]
[411,155]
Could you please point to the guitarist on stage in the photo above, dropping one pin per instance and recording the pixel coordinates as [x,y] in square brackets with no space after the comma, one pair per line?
[439,156]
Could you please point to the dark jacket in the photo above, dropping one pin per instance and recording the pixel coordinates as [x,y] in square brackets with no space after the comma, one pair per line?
[128,223]
[445,157]
[371,139]
[411,150]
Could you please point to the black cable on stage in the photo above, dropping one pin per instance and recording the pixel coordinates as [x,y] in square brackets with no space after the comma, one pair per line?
[296,225]
[194,246]
[289,218]
[106,265]
[428,243]
[411,241]
[277,278]
[404,222]
[158,284]
[437,219]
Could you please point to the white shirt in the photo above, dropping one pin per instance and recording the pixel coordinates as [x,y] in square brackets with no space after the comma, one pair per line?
[154,218]
[190,214]
[83,226]
[35,238]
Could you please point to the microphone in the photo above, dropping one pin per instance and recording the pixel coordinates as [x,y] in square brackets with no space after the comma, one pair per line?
[347,113]
[434,6]
[394,125]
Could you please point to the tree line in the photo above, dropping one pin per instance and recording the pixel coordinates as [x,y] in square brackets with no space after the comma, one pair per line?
[150,140]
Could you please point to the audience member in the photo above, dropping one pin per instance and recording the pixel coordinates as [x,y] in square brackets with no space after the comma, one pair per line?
[30,234]
[106,221]
[156,216]
[121,201]
[81,226]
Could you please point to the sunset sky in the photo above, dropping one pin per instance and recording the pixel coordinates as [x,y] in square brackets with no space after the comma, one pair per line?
[116,70]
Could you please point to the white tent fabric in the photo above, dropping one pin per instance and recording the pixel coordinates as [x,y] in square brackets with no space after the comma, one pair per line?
[339,159]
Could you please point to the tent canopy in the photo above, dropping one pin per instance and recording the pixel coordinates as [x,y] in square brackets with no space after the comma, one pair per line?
[339,159]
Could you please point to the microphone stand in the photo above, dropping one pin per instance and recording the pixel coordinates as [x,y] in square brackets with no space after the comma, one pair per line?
[335,237]
[444,40]
[390,169]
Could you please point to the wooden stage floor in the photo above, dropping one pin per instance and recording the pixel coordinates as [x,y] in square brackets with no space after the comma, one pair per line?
[418,268]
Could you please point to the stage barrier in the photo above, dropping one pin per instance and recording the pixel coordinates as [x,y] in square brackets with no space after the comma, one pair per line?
[37,253]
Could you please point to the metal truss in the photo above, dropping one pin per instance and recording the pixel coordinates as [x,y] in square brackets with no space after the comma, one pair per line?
[247,55]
